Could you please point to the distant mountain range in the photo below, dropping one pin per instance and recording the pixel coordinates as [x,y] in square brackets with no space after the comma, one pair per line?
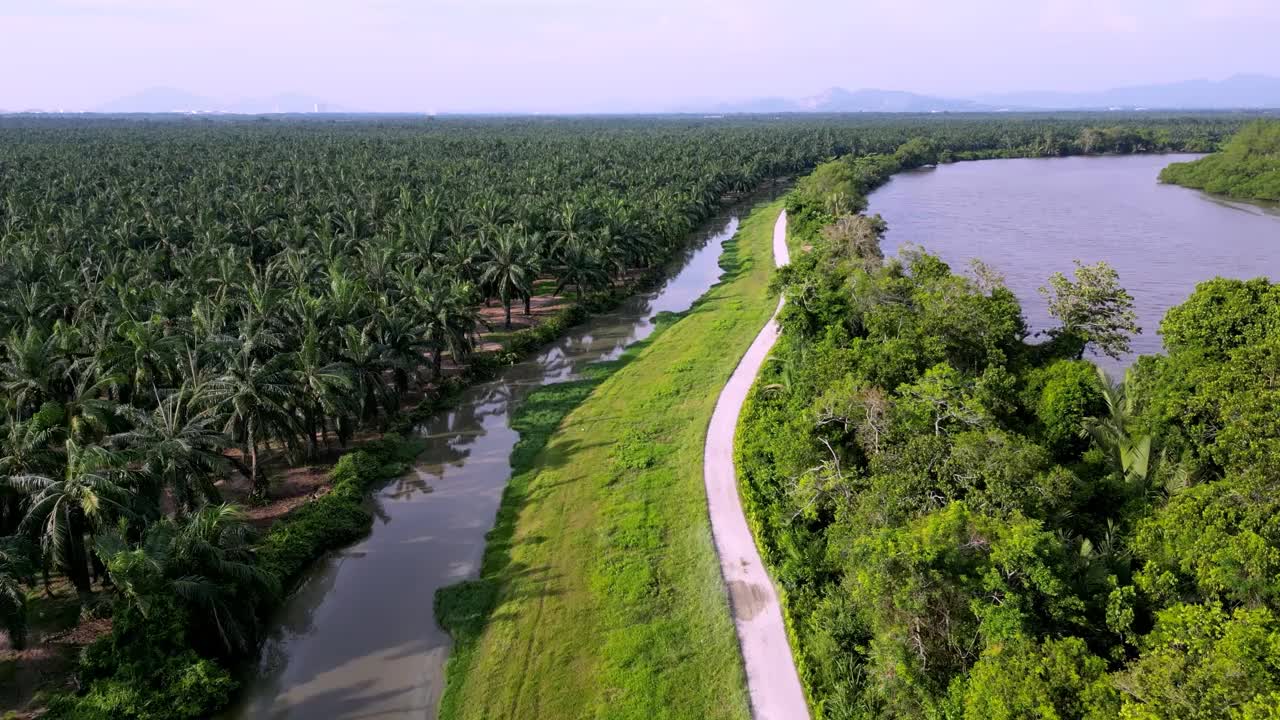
[841,100]
[1238,91]
[168,100]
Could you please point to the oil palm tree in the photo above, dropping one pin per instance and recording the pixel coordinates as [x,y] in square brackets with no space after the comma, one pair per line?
[145,355]
[580,268]
[533,246]
[403,343]
[86,408]
[26,445]
[463,255]
[26,373]
[569,228]
[447,318]
[25,449]
[612,253]
[321,384]
[13,599]
[90,493]
[207,562]
[253,397]
[507,271]
[174,448]
[363,356]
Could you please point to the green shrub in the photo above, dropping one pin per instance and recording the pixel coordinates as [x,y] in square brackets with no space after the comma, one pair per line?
[146,670]
[1025,679]
[319,526]
[1062,395]
[337,519]
[181,687]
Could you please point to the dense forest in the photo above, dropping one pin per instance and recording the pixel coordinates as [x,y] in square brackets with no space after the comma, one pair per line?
[967,522]
[190,305]
[1247,167]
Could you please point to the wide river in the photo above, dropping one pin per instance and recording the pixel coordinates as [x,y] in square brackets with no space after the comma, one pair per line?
[1029,218]
[359,639]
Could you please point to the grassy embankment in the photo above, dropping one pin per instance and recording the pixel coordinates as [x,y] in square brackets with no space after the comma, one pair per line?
[600,594]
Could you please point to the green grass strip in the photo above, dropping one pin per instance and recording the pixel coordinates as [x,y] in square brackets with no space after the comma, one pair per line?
[600,594]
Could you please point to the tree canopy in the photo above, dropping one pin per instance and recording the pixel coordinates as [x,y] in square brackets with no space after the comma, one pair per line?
[970,525]
[1248,166]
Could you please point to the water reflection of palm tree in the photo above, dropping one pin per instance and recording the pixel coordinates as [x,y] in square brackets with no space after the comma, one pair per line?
[296,619]
[406,486]
[503,399]
[447,437]
[298,616]
[556,364]
[496,402]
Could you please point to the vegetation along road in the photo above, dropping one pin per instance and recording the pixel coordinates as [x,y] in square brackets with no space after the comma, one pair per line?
[772,681]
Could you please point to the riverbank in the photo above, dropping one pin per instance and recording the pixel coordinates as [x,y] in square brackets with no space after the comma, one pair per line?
[600,594]
[1026,218]
[1246,168]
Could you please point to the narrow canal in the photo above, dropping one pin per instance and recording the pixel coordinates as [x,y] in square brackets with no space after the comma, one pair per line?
[359,638]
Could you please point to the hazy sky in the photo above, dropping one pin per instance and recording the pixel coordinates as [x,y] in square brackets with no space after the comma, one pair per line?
[584,55]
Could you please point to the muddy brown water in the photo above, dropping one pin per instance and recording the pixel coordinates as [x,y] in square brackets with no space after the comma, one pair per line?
[1029,218]
[359,638]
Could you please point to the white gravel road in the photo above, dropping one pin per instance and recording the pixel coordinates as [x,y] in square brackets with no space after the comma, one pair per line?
[772,681]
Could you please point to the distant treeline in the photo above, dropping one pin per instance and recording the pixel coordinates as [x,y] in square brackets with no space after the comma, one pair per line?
[1247,167]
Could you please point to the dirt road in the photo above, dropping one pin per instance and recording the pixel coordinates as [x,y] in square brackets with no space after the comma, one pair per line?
[772,681]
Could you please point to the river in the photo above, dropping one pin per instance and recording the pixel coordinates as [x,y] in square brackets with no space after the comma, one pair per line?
[359,638]
[1029,218]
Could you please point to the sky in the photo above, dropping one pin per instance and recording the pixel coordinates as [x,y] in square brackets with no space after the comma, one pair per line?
[612,55]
